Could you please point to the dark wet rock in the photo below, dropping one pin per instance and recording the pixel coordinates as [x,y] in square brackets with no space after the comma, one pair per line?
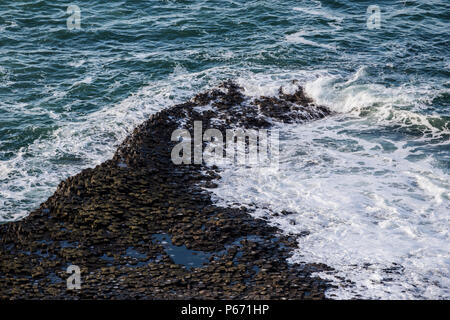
[107,219]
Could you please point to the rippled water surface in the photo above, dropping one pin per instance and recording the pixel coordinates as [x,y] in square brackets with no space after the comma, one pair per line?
[370,184]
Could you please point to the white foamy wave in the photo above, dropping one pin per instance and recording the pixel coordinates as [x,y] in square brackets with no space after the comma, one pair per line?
[321,12]
[256,85]
[86,80]
[374,214]
[375,102]
[5,77]
[299,37]
[32,174]
[367,208]
[77,63]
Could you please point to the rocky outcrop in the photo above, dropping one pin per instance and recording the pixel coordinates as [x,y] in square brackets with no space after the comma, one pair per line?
[141,227]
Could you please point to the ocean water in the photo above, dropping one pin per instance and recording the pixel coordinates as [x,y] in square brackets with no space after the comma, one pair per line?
[370,184]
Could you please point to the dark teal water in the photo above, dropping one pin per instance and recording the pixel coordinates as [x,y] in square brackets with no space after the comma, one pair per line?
[68,97]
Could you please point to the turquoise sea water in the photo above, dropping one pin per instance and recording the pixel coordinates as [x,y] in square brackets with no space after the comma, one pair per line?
[69,97]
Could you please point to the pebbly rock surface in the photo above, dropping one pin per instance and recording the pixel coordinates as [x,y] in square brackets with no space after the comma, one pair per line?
[140,227]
